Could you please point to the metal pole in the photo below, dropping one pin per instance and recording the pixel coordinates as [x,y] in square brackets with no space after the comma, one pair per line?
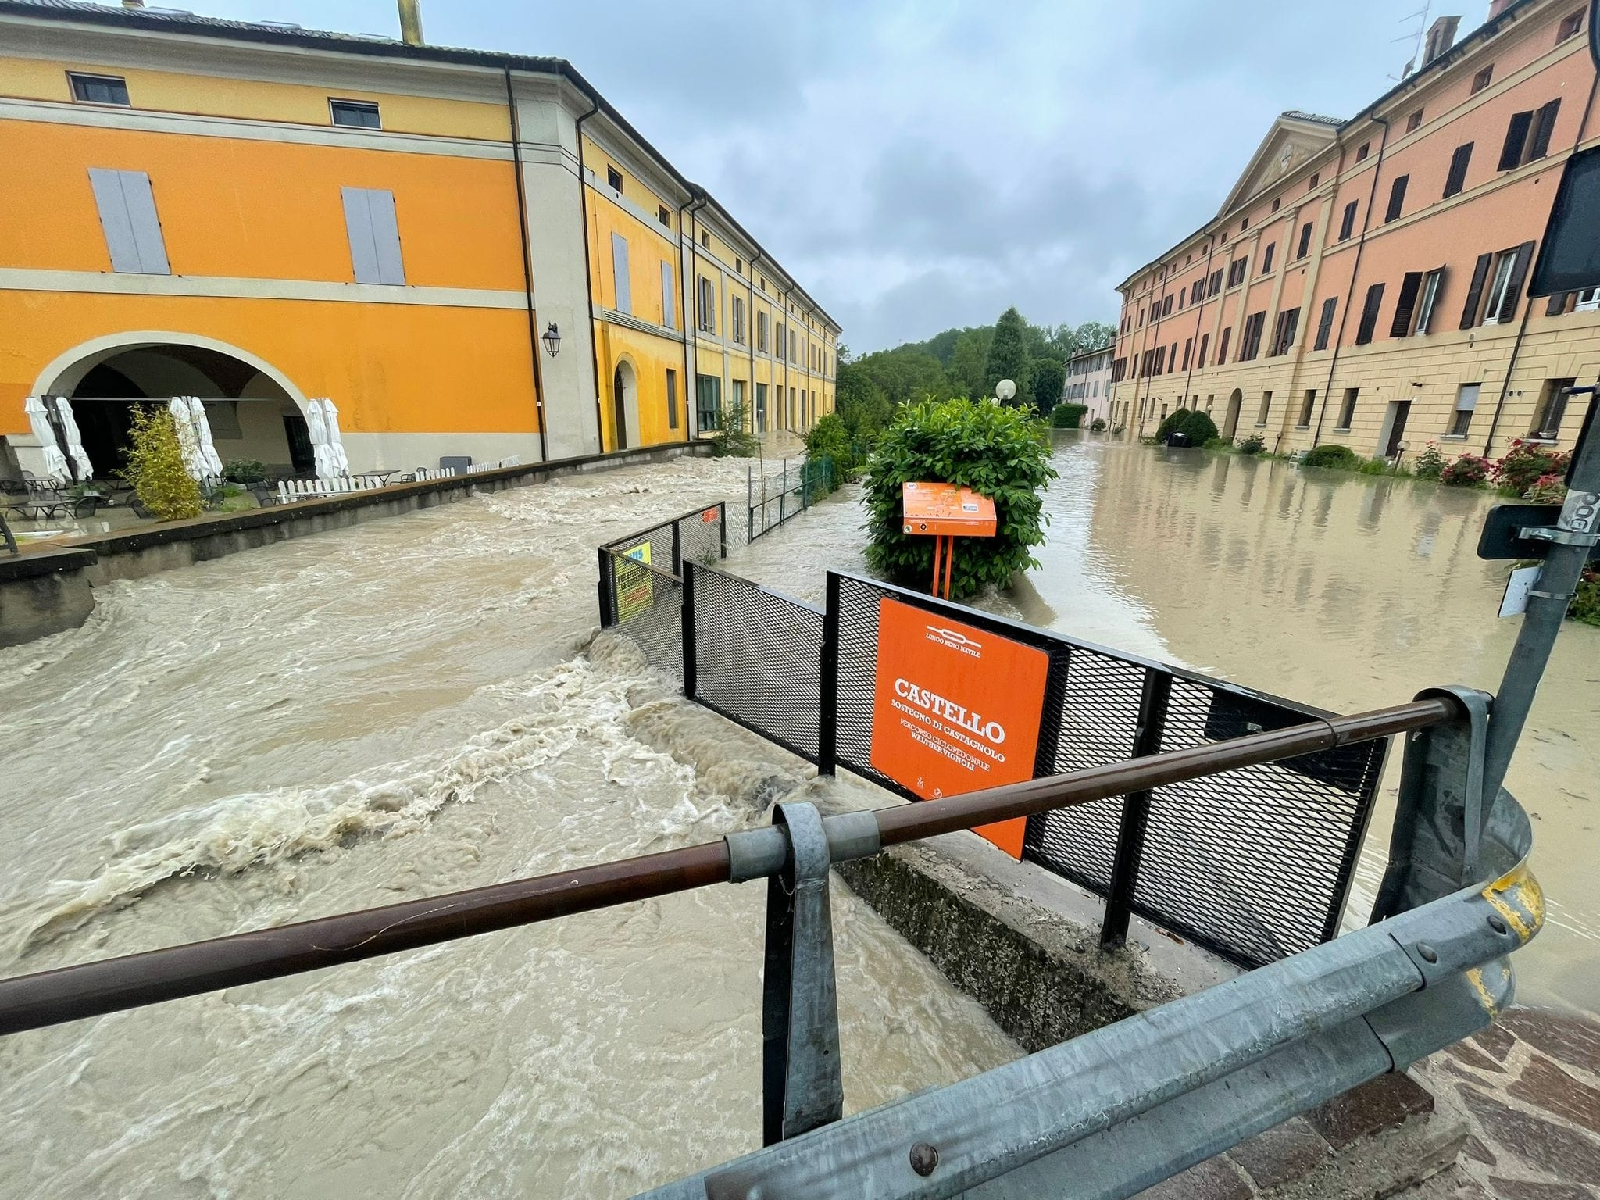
[722,526]
[608,616]
[677,548]
[1135,812]
[749,504]
[1571,543]
[690,675]
[828,706]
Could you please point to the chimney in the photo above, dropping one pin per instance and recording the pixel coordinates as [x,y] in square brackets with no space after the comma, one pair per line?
[1496,7]
[411,22]
[134,4]
[1441,36]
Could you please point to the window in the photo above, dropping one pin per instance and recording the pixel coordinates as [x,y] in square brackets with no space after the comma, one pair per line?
[672,399]
[1188,348]
[1284,330]
[1266,407]
[736,319]
[1516,140]
[1466,401]
[99,89]
[705,240]
[1528,136]
[761,408]
[1459,161]
[1505,289]
[620,280]
[1414,121]
[1369,315]
[783,341]
[706,306]
[1304,248]
[1222,346]
[1315,180]
[1182,292]
[1250,338]
[1552,404]
[1347,223]
[1347,410]
[1397,198]
[1431,283]
[1363,150]
[1588,300]
[763,326]
[1166,307]
[1544,124]
[1277,203]
[1244,224]
[1236,271]
[1569,27]
[669,293]
[1481,79]
[708,402]
[354,114]
[664,215]
[613,178]
[1325,322]
[738,265]
[128,218]
[1205,343]
[1161,361]
[1266,258]
[1214,284]
[374,232]
[1306,407]
[1405,306]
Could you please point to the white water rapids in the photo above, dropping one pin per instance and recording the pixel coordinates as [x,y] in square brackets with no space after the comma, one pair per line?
[393,711]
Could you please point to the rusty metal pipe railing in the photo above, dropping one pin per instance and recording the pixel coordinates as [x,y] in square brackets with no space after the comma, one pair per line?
[92,989]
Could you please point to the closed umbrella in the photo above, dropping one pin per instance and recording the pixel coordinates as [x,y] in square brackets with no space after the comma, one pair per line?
[341,460]
[188,442]
[317,430]
[69,426]
[202,430]
[55,463]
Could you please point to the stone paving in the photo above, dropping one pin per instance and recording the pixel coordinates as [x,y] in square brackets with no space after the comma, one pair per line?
[1528,1089]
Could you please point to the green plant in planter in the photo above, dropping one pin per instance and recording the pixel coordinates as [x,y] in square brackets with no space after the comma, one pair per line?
[1254,444]
[155,467]
[244,470]
[1430,462]
[1337,457]
[999,452]
[1470,470]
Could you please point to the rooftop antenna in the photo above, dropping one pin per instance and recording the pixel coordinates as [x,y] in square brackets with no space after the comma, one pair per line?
[1416,39]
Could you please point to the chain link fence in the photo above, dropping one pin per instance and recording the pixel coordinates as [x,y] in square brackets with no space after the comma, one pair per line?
[773,498]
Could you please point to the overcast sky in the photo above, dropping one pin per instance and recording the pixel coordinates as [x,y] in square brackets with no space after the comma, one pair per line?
[919,164]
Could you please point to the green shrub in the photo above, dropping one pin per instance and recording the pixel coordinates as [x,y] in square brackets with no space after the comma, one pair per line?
[1430,463]
[830,438]
[155,467]
[1254,444]
[1470,470]
[1376,466]
[734,439]
[1337,457]
[1549,489]
[1197,426]
[1067,415]
[1098,425]
[1525,464]
[1000,452]
[244,470]
[1586,603]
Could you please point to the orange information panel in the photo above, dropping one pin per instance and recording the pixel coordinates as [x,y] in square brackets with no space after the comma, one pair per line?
[955,709]
[946,508]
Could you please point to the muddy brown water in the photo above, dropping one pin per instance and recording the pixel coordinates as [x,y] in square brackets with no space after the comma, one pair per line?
[1338,590]
[387,712]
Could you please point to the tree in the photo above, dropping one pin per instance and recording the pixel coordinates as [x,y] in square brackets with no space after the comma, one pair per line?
[1095,335]
[968,360]
[1008,355]
[863,406]
[156,469]
[1049,377]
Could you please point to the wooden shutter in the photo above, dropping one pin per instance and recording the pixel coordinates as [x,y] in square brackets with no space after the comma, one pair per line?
[1519,275]
[1406,305]
[1205,342]
[1459,162]
[1480,272]
[1222,346]
[1369,314]
[1348,223]
[1544,125]
[669,307]
[1397,197]
[358,228]
[1557,304]
[621,280]
[1516,138]
[128,218]
[1305,240]
[1325,322]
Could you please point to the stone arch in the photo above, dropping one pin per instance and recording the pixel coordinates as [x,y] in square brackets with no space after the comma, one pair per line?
[625,403]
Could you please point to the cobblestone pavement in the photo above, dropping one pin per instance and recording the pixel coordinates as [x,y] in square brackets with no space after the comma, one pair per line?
[1528,1089]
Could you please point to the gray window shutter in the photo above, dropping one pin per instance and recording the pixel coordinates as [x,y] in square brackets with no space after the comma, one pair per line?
[668,305]
[386,237]
[128,216]
[619,273]
[358,225]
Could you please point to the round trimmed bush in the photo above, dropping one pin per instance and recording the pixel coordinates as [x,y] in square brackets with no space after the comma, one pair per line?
[1339,458]
[1197,426]
[997,451]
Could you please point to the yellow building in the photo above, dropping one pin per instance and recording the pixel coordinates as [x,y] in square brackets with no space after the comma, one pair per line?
[259,215]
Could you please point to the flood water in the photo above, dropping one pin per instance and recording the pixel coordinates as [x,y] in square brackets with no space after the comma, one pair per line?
[1343,591]
[393,711]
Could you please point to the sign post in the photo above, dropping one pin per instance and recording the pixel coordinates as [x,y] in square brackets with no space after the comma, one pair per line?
[946,512]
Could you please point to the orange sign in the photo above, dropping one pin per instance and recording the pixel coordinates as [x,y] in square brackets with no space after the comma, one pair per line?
[956,709]
[946,508]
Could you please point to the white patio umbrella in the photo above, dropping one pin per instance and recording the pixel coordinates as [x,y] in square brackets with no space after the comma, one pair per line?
[202,429]
[188,441]
[317,429]
[55,463]
[341,460]
[69,426]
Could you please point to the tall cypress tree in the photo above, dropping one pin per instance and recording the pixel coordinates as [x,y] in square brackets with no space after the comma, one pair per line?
[1008,355]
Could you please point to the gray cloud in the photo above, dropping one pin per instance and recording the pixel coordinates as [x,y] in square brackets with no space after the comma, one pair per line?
[923,163]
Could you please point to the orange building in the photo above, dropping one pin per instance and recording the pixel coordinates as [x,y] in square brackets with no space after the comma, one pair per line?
[469,254]
[1364,282]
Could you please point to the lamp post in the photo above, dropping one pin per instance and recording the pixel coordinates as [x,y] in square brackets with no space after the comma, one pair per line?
[551,339]
[1005,391]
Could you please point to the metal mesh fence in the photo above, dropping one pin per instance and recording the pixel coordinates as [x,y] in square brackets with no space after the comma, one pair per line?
[773,499]
[1253,864]
[647,604]
[757,658]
